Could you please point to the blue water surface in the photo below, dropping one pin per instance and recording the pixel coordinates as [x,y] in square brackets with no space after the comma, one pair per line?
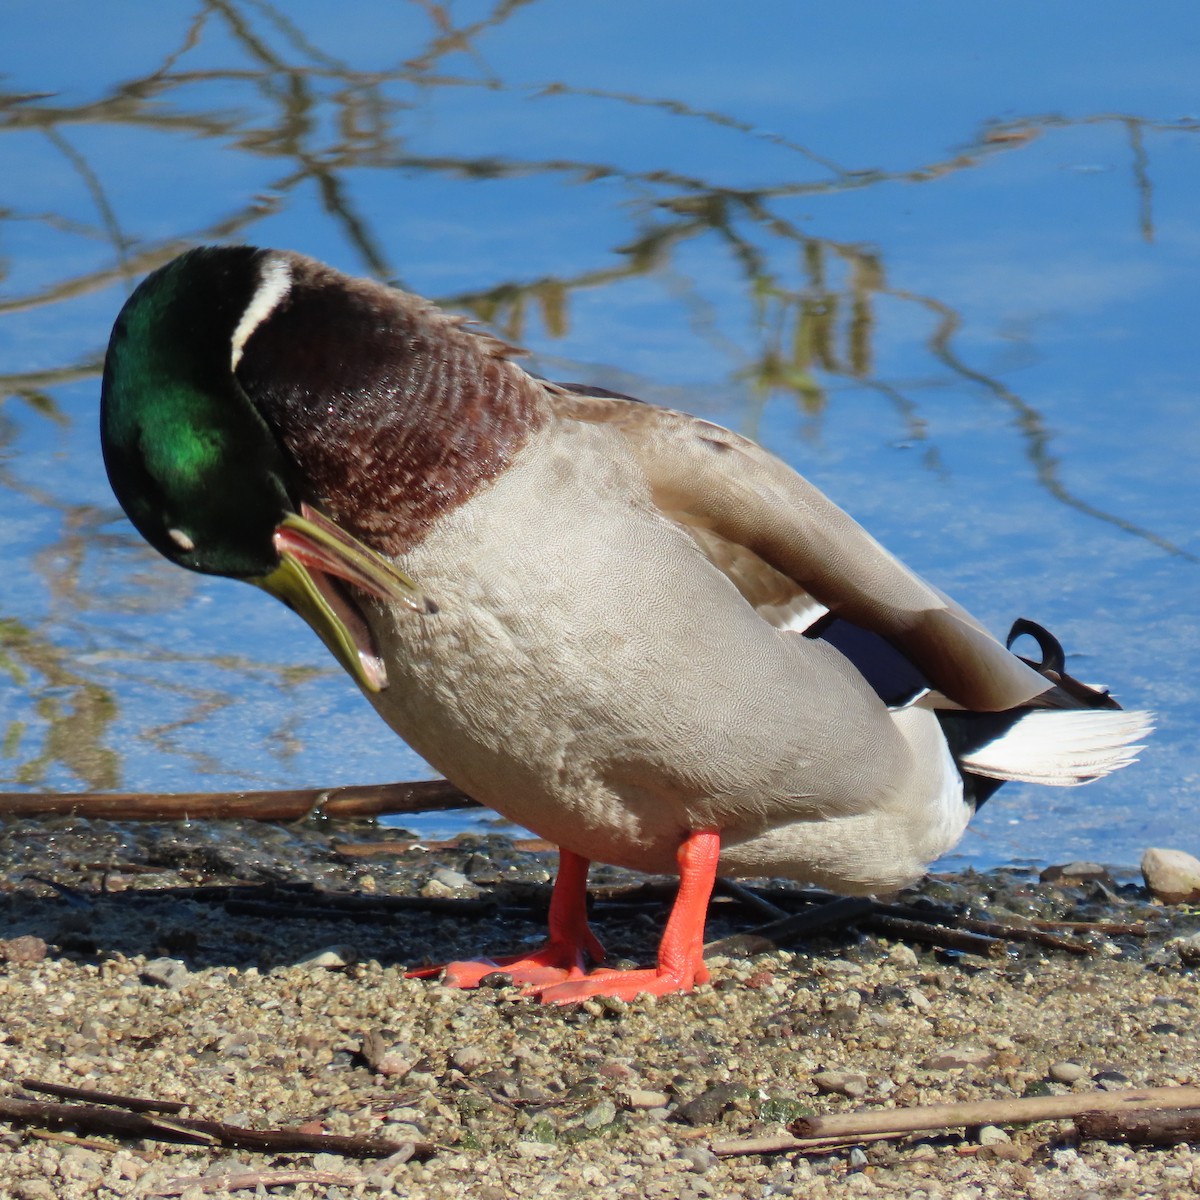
[942,258]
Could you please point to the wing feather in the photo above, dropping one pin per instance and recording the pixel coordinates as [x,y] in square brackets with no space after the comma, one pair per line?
[783,542]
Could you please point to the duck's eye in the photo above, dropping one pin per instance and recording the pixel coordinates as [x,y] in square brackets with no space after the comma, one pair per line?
[181,539]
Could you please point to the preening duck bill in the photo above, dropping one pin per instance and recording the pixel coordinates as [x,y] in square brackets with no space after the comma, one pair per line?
[316,556]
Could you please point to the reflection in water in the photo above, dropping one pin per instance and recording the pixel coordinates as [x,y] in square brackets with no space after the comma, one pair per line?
[305,123]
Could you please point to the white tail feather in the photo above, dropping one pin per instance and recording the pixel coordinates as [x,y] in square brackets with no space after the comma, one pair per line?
[1062,747]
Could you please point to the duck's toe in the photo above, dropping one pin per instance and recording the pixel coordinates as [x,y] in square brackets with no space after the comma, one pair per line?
[560,959]
[623,985]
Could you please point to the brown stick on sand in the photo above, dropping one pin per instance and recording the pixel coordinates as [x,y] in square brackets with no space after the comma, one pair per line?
[1152,1127]
[370,800]
[814,1131]
[118,1122]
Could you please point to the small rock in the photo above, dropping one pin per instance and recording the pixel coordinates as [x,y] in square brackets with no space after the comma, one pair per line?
[709,1105]
[839,966]
[438,889]
[1075,872]
[26,949]
[1172,875]
[642,1098]
[959,1056]
[456,881]
[384,1058]
[844,1083]
[1188,949]
[331,958]
[34,1189]
[992,1135]
[535,1150]
[599,1115]
[616,1070]
[165,972]
[699,1159]
[918,999]
[1066,1071]
[468,1058]
[904,957]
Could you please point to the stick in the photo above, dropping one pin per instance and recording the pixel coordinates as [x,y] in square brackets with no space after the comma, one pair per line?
[132,1103]
[840,911]
[994,929]
[113,1121]
[367,800]
[932,935]
[784,1145]
[247,1180]
[1153,1127]
[993,1112]
[815,1133]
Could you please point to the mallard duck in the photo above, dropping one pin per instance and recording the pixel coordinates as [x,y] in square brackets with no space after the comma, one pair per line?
[625,628]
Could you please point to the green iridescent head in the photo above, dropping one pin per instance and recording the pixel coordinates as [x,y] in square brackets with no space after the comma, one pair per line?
[192,463]
[199,471]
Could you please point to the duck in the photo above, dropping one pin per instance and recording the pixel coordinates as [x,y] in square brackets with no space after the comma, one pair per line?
[627,629]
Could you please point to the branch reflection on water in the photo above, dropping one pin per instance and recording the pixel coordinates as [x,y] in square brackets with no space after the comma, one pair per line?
[317,126]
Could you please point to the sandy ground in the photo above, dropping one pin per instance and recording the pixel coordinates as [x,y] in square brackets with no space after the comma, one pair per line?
[146,975]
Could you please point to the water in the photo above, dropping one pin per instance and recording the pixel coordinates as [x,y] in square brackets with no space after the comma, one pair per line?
[942,259]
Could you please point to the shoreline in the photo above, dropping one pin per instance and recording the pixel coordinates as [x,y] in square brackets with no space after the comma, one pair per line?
[155,982]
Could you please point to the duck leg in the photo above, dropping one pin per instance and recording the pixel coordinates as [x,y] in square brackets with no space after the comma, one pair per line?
[569,948]
[681,951]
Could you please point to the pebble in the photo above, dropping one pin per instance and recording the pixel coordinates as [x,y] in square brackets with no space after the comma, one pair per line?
[1187,948]
[1066,1071]
[992,1135]
[484,1072]
[843,1083]
[642,1098]
[329,958]
[34,1189]
[535,1150]
[25,949]
[1075,872]
[699,1159]
[455,880]
[959,1056]
[709,1105]
[599,1115]
[468,1058]
[165,972]
[1172,875]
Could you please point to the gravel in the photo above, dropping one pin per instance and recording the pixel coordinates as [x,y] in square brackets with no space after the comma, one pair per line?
[123,974]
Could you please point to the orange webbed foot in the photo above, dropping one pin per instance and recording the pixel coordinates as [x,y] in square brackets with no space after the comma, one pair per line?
[623,985]
[570,948]
[556,973]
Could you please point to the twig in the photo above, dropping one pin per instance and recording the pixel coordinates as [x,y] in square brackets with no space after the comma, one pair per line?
[992,1112]
[93,1118]
[1111,928]
[367,800]
[840,911]
[782,1144]
[364,914]
[816,1132]
[246,1180]
[1153,1127]
[131,1103]
[932,935]
[1034,932]
[751,899]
